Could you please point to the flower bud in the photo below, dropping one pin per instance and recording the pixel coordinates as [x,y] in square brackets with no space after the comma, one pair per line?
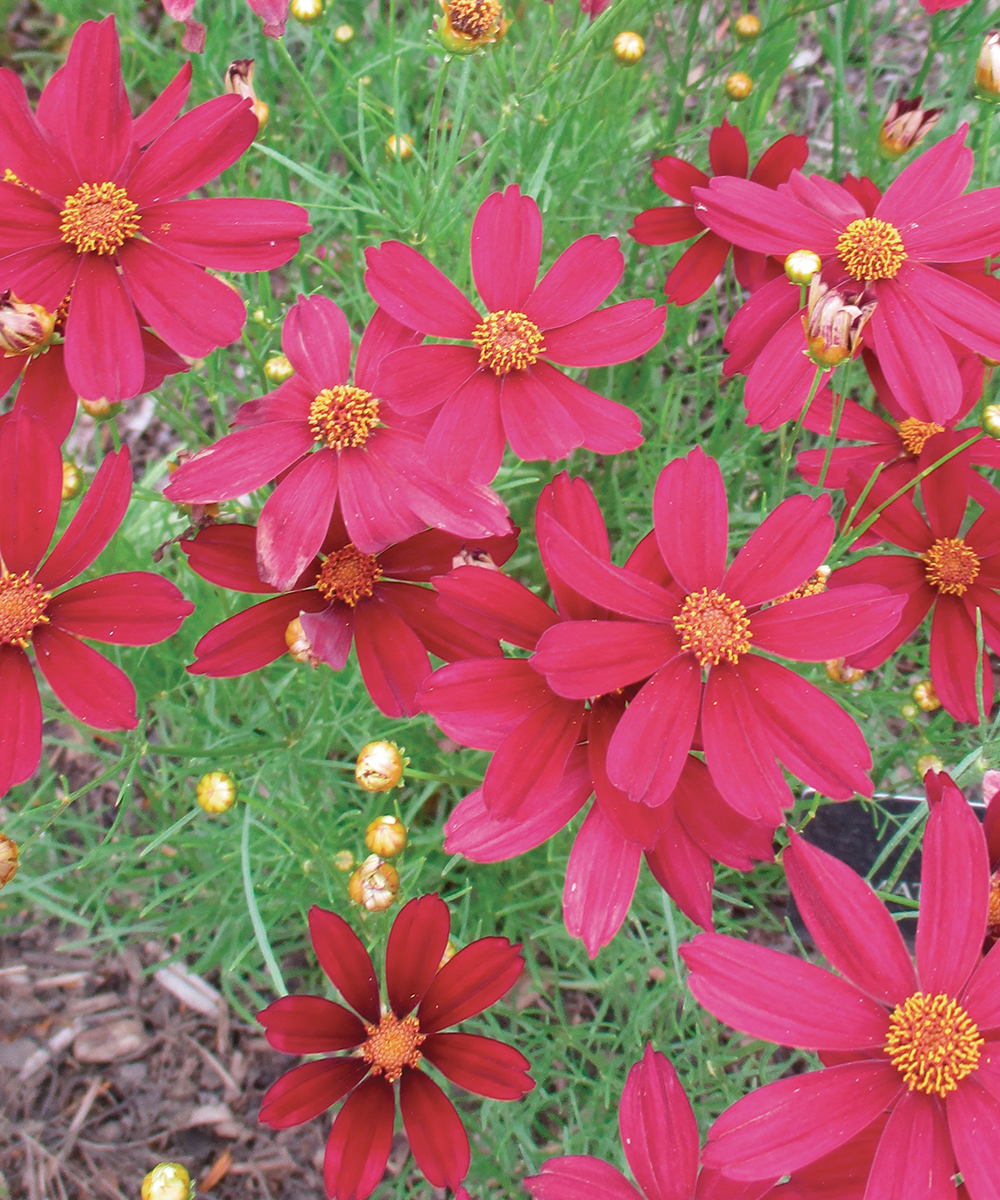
[380,767]
[835,318]
[470,24]
[8,859]
[343,860]
[24,328]
[299,646]
[386,836]
[399,149]
[343,34]
[925,696]
[802,265]
[72,484]
[738,85]
[167,1181]
[993,909]
[929,762]
[991,420]
[306,12]
[838,672]
[101,409]
[908,710]
[906,125]
[449,954]
[278,369]
[374,884]
[216,792]
[746,27]
[628,48]
[238,81]
[988,67]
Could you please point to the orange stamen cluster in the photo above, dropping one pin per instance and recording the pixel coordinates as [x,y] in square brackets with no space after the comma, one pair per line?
[713,626]
[343,417]
[347,575]
[871,249]
[915,434]
[933,1043]
[474,18]
[98,218]
[22,608]
[993,911]
[507,341]
[813,586]
[952,565]
[392,1045]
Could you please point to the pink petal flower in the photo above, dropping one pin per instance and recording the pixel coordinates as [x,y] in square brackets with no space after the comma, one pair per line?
[601,876]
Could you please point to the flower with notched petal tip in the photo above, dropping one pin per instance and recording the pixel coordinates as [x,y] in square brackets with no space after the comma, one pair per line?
[389,1043]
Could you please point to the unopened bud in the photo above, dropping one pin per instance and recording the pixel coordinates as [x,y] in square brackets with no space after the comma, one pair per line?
[925,696]
[399,149]
[746,27]
[834,321]
[101,409]
[386,836]
[238,81]
[306,12]
[277,369]
[8,859]
[628,48]
[380,767]
[299,646]
[216,792]
[24,328]
[738,85]
[802,265]
[929,762]
[991,420]
[469,25]
[374,884]
[906,125]
[988,67]
[449,954]
[343,860]
[839,672]
[343,34]
[167,1181]
[72,483]
[908,710]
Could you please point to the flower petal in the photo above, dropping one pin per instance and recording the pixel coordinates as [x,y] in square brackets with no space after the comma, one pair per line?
[226,555]
[415,379]
[697,269]
[474,979]
[601,875]
[392,658]
[413,954]
[581,659]
[480,702]
[982,996]
[374,500]
[93,689]
[535,422]
[98,120]
[134,608]
[780,378]
[310,1089]
[30,474]
[480,1064]
[956,308]
[239,463]
[163,111]
[581,278]
[251,639]
[665,226]
[383,335]
[833,624]
[782,553]
[658,1130]
[611,335]
[726,835]
[416,294]
[45,272]
[608,427]
[103,349]
[788,154]
[330,631]
[238,233]
[46,391]
[310,1025]
[691,517]
[974,1125]
[530,762]
[574,1176]
[359,1142]
[467,439]
[346,962]
[435,1131]
[316,339]
[441,635]
[494,605]
[953,661]
[684,871]
[959,230]
[751,215]
[293,523]
[506,249]
[20,718]
[914,1156]
[676,177]
[935,176]
[756,323]
[25,148]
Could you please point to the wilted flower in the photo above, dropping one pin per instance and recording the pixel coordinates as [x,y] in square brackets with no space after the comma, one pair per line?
[628,48]
[738,85]
[470,24]
[988,67]
[906,125]
[834,320]
[374,884]
[238,81]
[386,836]
[167,1181]
[216,792]
[8,859]
[24,328]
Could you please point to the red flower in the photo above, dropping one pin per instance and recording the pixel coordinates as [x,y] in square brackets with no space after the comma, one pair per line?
[698,266]
[373,601]
[750,710]
[274,14]
[504,387]
[365,453]
[549,754]
[953,573]
[912,252]
[392,1040]
[923,1044]
[95,217]
[130,609]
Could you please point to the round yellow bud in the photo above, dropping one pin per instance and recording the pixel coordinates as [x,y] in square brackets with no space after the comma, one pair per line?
[991,420]
[929,762]
[380,767]
[399,149]
[216,792]
[746,27]
[278,369]
[449,954]
[374,884]
[72,480]
[386,836]
[299,646]
[100,410]
[167,1181]
[343,34]
[738,85]
[343,860]
[838,672]
[802,265]
[628,48]
[8,859]
[307,12]
[908,710]
[925,696]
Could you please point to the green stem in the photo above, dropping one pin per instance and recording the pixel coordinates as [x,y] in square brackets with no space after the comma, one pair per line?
[838,412]
[932,48]
[786,454]
[986,118]
[259,929]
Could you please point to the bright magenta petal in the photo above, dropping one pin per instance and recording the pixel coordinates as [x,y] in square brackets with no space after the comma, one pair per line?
[103,349]
[239,233]
[392,658]
[359,1142]
[316,339]
[601,876]
[26,149]
[506,249]
[20,718]
[974,1125]
[416,943]
[473,980]
[529,764]
[780,378]
[93,689]
[581,278]
[581,659]
[165,108]
[697,269]
[658,1130]
[415,379]
[692,522]
[416,294]
[374,500]
[495,605]
[608,427]
[294,521]
[958,309]
[664,226]
[251,639]
[479,1064]
[914,1157]
[346,962]
[97,117]
[239,463]
[435,1131]
[751,215]
[30,476]
[467,438]
[682,868]
[310,1025]
[579,1175]
[330,632]
[982,997]
[308,1090]
[536,424]
[833,624]
[135,608]
[608,336]
[226,555]
[936,176]
[782,553]
[953,661]
[480,702]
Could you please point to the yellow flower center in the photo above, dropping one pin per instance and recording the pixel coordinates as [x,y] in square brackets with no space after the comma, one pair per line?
[952,566]
[713,626]
[474,18]
[933,1043]
[343,416]
[507,341]
[348,575]
[98,218]
[392,1045]
[871,249]
[915,434]
[22,607]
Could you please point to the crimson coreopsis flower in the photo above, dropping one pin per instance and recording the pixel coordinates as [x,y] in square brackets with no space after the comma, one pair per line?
[912,252]
[951,571]
[693,642]
[134,608]
[344,596]
[92,216]
[699,265]
[922,1043]
[274,14]
[389,1042]
[335,439]
[549,754]
[504,387]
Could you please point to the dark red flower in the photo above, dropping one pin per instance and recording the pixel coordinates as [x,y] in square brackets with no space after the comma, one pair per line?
[389,1042]
[922,1044]
[130,609]
[335,439]
[91,215]
[752,712]
[699,265]
[504,386]
[345,597]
